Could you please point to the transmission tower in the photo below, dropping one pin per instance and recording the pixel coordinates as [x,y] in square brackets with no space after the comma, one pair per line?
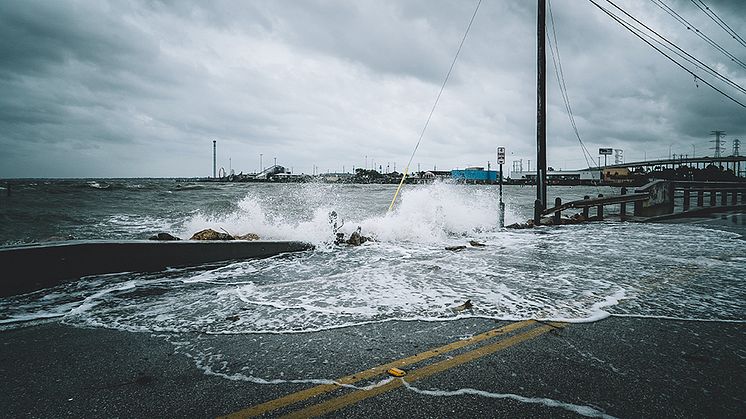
[719,142]
[736,144]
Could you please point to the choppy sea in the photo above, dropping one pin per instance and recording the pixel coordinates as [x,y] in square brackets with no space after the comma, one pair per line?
[694,270]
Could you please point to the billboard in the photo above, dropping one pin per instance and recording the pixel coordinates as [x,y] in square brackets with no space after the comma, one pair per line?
[605,151]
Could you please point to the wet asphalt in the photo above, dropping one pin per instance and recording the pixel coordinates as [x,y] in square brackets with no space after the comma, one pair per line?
[621,367]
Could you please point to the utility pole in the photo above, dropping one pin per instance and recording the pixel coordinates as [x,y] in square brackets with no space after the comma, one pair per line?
[214,159]
[719,142]
[541,114]
[736,146]
[275,161]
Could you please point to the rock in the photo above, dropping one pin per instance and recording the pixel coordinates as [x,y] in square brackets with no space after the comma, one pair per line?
[476,243]
[520,226]
[356,238]
[164,237]
[467,305]
[210,234]
[248,236]
[232,318]
[455,248]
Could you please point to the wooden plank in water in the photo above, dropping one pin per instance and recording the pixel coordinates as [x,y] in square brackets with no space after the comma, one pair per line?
[32,267]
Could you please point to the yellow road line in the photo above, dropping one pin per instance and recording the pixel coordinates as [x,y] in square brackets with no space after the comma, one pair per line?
[372,372]
[357,396]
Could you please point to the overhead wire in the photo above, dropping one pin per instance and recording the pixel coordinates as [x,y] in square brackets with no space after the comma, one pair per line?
[679,51]
[635,31]
[559,73]
[689,26]
[715,18]
[435,104]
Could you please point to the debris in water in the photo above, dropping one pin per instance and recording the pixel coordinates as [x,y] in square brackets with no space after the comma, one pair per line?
[232,318]
[467,305]
[248,236]
[455,248]
[476,243]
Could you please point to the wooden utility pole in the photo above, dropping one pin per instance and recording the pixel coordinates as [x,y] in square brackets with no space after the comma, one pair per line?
[541,115]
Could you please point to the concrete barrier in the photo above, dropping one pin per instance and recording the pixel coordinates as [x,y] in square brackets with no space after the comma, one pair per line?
[33,267]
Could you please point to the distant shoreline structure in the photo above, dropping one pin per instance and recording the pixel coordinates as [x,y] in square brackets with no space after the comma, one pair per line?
[732,168]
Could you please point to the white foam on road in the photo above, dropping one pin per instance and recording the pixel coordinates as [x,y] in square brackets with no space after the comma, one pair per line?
[586,411]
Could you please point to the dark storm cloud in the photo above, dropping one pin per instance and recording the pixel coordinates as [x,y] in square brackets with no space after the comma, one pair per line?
[141,88]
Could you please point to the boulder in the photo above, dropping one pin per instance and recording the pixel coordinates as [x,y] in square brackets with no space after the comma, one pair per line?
[210,234]
[455,248]
[163,237]
[248,236]
[356,238]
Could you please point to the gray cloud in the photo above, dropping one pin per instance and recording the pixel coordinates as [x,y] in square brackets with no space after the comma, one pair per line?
[142,88]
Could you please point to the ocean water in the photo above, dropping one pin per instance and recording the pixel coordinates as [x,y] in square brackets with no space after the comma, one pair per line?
[694,270]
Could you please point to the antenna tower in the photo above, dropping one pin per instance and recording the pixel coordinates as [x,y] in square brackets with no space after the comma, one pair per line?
[736,146]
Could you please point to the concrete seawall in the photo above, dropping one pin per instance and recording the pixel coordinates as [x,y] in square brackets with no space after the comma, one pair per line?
[33,267]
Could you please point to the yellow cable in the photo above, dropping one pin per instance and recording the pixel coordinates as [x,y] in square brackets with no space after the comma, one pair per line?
[404,176]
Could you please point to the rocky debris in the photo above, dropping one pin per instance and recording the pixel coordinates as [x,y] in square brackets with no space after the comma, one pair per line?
[356,238]
[455,248]
[521,226]
[476,243]
[467,305]
[549,221]
[248,236]
[232,318]
[163,237]
[210,234]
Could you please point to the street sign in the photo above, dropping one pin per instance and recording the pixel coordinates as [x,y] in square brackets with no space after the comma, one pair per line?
[501,155]
[605,151]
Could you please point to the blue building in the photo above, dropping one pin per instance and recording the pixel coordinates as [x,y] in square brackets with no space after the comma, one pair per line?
[474,174]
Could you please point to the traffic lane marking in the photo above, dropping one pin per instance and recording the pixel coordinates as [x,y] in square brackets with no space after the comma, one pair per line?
[372,372]
[414,375]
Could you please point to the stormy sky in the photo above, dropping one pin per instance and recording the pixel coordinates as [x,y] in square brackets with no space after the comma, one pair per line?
[142,88]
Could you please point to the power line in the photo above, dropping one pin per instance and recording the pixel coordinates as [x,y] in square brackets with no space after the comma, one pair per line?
[699,33]
[715,18]
[679,51]
[559,73]
[632,30]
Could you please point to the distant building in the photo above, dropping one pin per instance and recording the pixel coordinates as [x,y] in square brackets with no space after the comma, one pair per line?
[559,175]
[474,174]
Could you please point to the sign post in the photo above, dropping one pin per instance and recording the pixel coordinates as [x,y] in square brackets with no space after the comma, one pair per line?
[501,161]
[605,152]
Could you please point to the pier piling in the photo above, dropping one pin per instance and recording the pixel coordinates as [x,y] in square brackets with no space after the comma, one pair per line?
[623,205]
[585,209]
[557,214]
[700,198]
[687,199]
[600,209]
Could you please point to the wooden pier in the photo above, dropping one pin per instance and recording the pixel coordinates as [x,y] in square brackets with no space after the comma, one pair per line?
[657,201]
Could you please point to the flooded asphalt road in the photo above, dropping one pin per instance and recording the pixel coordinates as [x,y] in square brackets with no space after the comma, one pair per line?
[617,367]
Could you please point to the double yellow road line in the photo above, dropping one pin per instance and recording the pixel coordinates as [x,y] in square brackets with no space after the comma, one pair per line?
[414,375]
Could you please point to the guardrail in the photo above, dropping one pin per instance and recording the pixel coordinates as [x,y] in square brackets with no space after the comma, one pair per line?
[658,200]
